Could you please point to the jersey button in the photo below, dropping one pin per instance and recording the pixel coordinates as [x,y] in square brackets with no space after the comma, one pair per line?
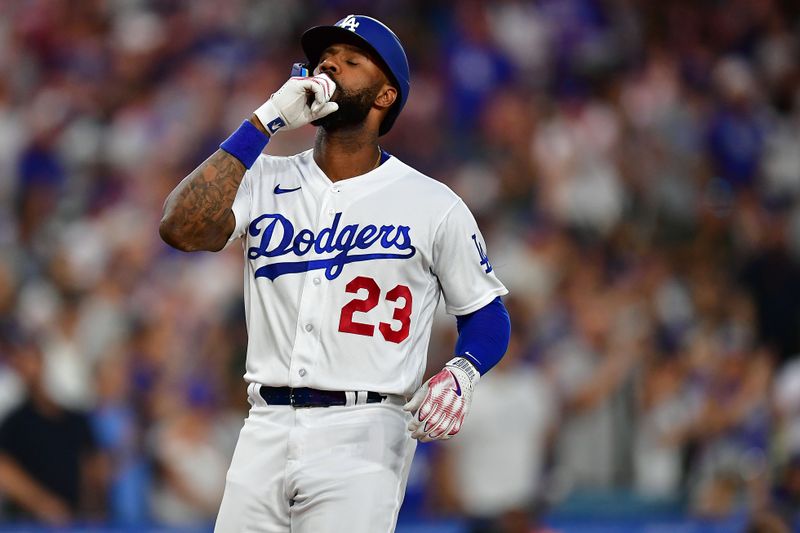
[331,212]
[309,327]
[302,372]
[317,281]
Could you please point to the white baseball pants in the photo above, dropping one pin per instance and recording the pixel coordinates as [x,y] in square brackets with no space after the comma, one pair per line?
[317,470]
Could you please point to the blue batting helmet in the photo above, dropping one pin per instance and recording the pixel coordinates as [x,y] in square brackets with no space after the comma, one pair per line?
[365,32]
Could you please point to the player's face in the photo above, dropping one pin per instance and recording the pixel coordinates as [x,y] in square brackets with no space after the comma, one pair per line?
[361,85]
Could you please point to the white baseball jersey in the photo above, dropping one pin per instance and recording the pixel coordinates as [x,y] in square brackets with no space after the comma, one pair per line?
[342,279]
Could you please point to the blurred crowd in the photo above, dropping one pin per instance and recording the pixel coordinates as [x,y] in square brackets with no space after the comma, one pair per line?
[634,167]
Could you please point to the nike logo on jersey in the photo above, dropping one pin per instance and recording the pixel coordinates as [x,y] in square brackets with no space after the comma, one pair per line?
[278,189]
[279,239]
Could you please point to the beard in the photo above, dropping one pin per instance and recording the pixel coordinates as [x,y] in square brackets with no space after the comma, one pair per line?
[353,109]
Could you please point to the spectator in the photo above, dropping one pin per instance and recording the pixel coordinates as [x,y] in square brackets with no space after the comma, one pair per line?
[786,493]
[731,431]
[766,523]
[666,413]
[736,133]
[50,468]
[593,365]
[786,392]
[187,437]
[116,426]
[476,67]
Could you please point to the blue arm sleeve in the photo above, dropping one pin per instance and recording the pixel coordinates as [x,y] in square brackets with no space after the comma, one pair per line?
[483,335]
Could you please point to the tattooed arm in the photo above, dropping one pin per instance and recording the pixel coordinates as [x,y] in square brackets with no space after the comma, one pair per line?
[197,213]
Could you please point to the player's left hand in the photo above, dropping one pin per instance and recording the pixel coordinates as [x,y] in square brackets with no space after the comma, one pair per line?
[441,403]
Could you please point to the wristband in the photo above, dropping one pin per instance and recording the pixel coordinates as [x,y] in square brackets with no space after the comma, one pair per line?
[466,367]
[246,143]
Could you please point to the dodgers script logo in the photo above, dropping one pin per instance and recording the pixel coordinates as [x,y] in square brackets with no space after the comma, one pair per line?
[278,239]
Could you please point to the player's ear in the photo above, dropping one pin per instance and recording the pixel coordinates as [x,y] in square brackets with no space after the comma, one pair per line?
[386,97]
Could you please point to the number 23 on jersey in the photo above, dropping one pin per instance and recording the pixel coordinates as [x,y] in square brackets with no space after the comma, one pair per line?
[402,314]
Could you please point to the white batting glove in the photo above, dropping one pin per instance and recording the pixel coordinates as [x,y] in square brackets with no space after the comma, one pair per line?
[288,107]
[441,403]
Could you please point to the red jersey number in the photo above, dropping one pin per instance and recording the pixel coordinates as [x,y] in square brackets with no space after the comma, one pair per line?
[401,315]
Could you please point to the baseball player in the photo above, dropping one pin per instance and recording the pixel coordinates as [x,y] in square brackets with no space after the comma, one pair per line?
[347,251]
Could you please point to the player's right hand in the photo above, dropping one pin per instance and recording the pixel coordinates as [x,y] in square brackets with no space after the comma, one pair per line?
[289,108]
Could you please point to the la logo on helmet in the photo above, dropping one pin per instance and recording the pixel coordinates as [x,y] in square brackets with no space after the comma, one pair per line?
[350,23]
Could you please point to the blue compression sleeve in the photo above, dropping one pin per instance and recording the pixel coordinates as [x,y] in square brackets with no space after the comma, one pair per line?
[483,335]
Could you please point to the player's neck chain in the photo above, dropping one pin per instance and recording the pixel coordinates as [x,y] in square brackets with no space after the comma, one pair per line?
[378,162]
